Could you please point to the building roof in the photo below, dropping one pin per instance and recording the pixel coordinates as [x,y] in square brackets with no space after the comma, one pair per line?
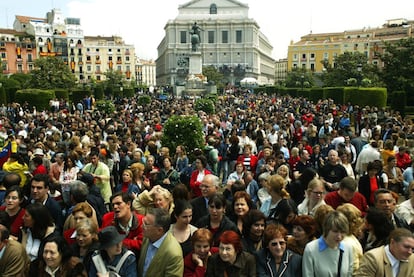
[11,32]
[27,19]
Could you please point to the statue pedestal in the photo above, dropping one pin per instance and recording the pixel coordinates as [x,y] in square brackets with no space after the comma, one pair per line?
[196,65]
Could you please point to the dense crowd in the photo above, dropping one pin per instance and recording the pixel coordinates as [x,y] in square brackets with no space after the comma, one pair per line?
[283,187]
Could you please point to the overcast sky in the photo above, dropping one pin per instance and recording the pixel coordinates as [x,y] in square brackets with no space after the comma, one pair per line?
[142,22]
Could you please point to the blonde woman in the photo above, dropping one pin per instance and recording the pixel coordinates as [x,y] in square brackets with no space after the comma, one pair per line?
[277,192]
[157,197]
[313,199]
[356,224]
[283,171]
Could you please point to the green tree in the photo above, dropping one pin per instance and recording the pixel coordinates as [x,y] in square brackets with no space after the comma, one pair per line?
[113,81]
[23,79]
[183,130]
[52,72]
[398,72]
[295,78]
[213,75]
[351,68]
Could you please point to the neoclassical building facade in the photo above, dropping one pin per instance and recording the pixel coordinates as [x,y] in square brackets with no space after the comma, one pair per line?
[230,41]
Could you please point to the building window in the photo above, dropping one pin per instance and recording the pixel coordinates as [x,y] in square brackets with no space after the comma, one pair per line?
[312,67]
[211,36]
[30,67]
[98,78]
[89,68]
[119,68]
[29,58]
[213,9]
[183,36]
[3,55]
[303,56]
[127,58]
[224,37]
[20,68]
[325,56]
[238,36]
[312,56]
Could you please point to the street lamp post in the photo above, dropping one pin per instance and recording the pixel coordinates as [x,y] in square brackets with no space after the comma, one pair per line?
[302,80]
[359,77]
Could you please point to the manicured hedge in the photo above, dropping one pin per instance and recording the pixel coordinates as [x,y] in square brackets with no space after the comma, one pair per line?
[39,98]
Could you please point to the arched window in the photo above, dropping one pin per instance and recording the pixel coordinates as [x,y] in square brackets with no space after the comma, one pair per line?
[213,9]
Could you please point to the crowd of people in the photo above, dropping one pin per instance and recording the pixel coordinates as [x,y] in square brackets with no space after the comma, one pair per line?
[283,187]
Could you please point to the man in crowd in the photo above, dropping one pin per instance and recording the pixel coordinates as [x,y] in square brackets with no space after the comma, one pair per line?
[395,259]
[209,187]
[13,256]
[161,254]
[385,201]
[126,221]
[332,172]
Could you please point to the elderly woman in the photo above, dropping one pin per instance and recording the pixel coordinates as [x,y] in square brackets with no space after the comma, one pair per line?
[304,229]
[275,259]
[231,260]
[313,199]
[195,263]
[56,259]
[216,221]
[328,256]
[254,223]
[356,223]
[157,197]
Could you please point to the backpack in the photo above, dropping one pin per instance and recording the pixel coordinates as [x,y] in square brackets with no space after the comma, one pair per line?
[113,271]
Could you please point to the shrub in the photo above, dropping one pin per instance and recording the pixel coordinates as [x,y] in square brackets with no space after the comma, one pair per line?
[183,130]
[62,93]
[39,98]
[99,92]
[205,105]
[3,97]
[129,92]
[144,100]
[105,106]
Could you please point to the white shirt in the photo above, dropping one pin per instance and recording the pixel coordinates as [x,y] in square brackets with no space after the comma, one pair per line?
[395,264]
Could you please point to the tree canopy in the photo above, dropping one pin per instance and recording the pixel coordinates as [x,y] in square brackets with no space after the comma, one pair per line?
[50,73]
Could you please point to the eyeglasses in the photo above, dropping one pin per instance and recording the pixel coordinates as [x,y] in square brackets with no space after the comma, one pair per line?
[281,243]
[317,192]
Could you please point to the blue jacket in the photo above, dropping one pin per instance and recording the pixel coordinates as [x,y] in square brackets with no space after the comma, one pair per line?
[291,265]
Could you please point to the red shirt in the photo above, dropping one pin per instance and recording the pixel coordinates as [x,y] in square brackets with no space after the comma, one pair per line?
[133,239]
[335,200]
[41,169]
[193,270]
[16,221]
[194,184]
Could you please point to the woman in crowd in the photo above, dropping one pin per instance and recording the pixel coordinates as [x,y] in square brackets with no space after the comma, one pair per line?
[377,229]
[14,200]
[356,224]
[86,241]
[111,252]
[81,211]
[242,204]
[231,260]
[182,230]
[128,184]
[254,223]
[216,221]
[139,178]
[304,229]
[248,159]
[277,193]
[68,174]
[56,259]
[198,174]
[370,182]
[233,152]
[275,259]
[344,157]
[157,197]
[319,217]
[236,175]
[151,170]
[37,225]
[313,199]
[195,263]
[168,177]
[284,214]
[328,256]
[181,159]
[283,170]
